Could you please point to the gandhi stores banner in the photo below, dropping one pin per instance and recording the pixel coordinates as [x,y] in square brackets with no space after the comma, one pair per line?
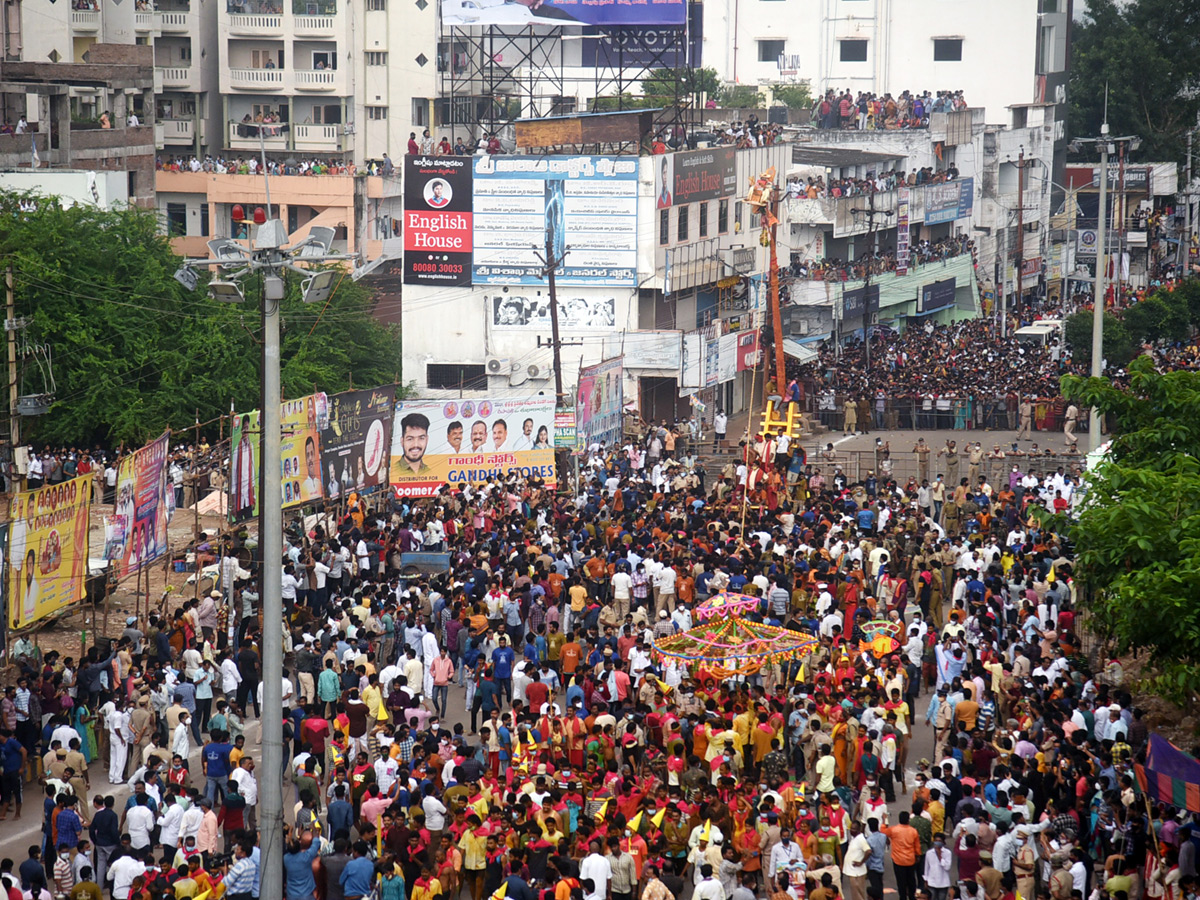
[437,220]
[455,442]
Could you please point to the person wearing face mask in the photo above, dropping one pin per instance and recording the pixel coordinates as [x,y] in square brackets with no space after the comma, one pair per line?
[937,868]
[783,855]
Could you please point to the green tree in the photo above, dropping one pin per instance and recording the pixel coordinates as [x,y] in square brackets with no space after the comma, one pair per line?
[1119,347]
[793,96]
[1163,315]
[1147,53]
[1137,540]
[739,96]
[134,352]
[661,83]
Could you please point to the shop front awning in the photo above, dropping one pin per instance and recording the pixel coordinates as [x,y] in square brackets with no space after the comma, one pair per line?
[798,351]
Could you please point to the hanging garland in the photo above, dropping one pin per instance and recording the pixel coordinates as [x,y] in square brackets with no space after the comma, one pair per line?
[727,603]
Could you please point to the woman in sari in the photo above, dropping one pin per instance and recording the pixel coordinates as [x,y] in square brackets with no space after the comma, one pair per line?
[83,722]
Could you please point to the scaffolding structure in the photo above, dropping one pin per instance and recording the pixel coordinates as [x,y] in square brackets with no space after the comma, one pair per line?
[494,75]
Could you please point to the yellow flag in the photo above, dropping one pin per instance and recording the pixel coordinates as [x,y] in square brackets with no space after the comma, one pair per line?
[706,833]
[800,674]
[635,823]
[501,892]
[663,686]
[657,818]
[601,811]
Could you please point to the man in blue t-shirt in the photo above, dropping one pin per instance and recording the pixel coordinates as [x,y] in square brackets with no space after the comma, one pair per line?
[503,659]
[214,760]
[866,520]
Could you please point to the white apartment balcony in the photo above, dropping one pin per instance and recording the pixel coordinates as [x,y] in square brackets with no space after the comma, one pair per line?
[169,132]
[173,22]
[256,79]
[317,137]
[256,24]
[143,23]
[314,26]
[316,79]
[249,140]
[175,77]
[85,21]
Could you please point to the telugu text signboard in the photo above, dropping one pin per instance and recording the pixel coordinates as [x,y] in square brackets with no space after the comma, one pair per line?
[588,204]
[457,442]
[48,549]
[949,200]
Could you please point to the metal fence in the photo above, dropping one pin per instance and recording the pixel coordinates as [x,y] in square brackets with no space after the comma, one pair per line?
[903,464]
[957,414]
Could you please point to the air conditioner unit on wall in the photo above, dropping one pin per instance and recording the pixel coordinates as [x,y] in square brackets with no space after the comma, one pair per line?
[496,365]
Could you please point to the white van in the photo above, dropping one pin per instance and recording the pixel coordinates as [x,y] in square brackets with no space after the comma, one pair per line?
[1040,333]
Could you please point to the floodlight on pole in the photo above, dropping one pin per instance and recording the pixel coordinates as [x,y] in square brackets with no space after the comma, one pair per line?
[226,292]
[319,287]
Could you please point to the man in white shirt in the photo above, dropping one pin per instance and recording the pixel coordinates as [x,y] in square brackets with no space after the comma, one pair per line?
[783,854]
[243,777]
[139,822]
[664,583]
[122,872]
[622,591]
[595,868]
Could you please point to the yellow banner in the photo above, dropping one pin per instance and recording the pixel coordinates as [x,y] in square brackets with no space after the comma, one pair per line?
[48,550]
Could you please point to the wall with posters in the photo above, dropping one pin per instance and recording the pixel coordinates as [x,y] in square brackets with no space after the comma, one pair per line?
[47,549]
[356,445]
[302,422]
[437,442]
[599,398]
[136,533]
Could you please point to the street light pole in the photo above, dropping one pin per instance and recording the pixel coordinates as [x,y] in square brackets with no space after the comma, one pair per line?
[1098,295]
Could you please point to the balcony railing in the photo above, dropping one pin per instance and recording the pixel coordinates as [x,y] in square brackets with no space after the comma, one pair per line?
[176,131]
[85,19]
[316,137]
[143,22]
[255,23]
[256,79]
[175,76]
[172,21]
[315,79]
[313,25]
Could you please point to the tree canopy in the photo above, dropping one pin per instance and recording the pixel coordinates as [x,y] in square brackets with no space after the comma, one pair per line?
[1137,539]
[134,352]
[1147,52]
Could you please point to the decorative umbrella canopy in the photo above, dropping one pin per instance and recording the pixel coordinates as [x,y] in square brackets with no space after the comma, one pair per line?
[734,646]
[727,603]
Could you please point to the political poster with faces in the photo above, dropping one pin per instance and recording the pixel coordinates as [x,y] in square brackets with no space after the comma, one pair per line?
[455,442]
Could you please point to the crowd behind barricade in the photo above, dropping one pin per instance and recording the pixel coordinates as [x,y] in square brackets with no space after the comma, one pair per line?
[575,762]
[868,111]
[920,253]
[812,188]
[252,165]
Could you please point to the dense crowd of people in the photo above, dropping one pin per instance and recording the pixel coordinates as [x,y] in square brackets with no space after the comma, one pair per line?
[815,187]
[251,165]
[920,253]
[869,111]
[502,725]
